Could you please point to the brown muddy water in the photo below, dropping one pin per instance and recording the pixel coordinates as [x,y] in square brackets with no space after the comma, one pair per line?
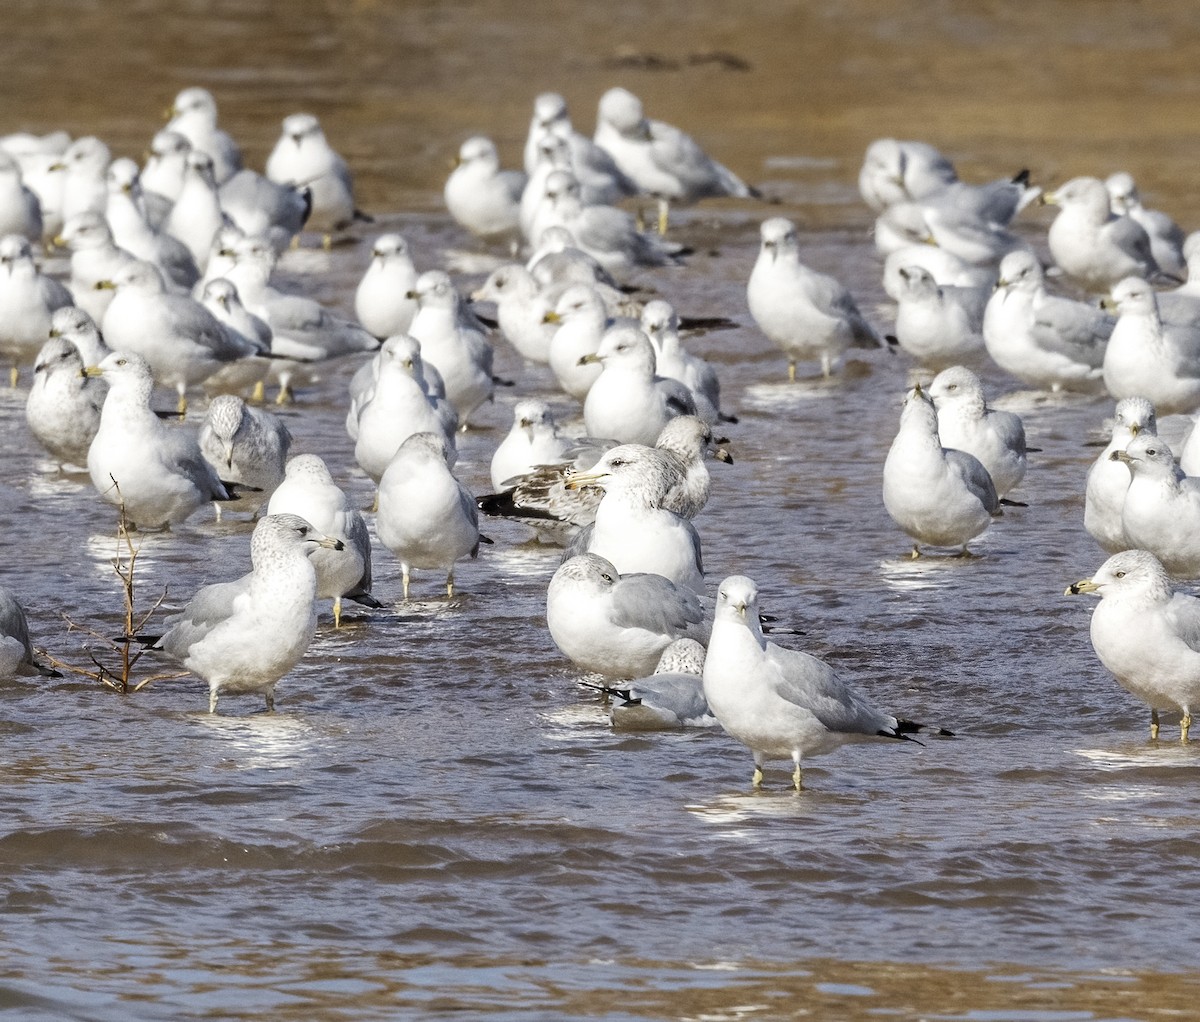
[438,819]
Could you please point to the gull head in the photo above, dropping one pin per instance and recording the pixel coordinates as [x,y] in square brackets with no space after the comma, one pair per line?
[1129,573]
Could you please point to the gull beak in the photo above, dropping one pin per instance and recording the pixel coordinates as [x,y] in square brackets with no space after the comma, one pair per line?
[740,607]
[1108,305]
[104,285]
[722,454]
[591,359]
[413,296]
[92,371]
[1001,284]
[1121,456]
[1083,586]
[60,241]
[1135,429]
[169,112]
[582,479]
[552,317]
[329,543]
[1049,199]
[57,165]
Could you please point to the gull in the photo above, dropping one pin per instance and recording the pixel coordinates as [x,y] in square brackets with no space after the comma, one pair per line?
[308,490]
[17,658]
[28,300]
[608,234]
[902,171]
[1043,339]
[63,407]
[945,268]
[194,116]
[939,326]
[663,161]
[362,383]
[1148,356]
[1166,236]
[20,208]
[671,359]
[84,165]
[965,422]
[558,262]
[542,495]
[39,191]
[243,636]
[531,443]
[132,231]
[245,445]
[196,217]
[427,518]
[672,697]
[581,320]
[452,343]
[618,625]
[395,408]
[1108,478]
[480,196]
[522,305]
[632,528]
[1161,512]
[178,337]
[381,300]
[977,242]
[808,314]
[303,331]
[629,402]
[154,472]
[1092,244]
[221,298]
[263,208]
[163,173]
[76,326]
[599,176]
[938,496]
[303,158]
[780,702]
[1146,634]
[94,257]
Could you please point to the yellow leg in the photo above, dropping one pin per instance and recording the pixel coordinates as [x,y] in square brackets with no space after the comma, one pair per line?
[1153,725]
[916,552]
[259,394]
[1185,725]
[182,406]
[270,700]
[327,241]
[663,212]
[284,397]
[450,584]
[791,372]
[337,612]
[212,700]
[757,780]
[796,777]
[404,580]
[14,374]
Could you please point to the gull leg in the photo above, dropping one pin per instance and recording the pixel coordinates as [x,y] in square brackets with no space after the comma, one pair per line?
[327,241]
[450,583]
[916,552]
[1185,725]
[1153,724]
[212,700]
[182,404]
[14,374]
[259,394]
[284,397]
[337,612]
[270,700]
[640,219]
[796,774]
[664,210]
[826,366]
[791,371]
[404,580]
[758,774]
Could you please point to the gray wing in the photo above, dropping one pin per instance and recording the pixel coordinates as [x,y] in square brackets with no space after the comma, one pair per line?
[678,395]
[208,608]
[1131,237]
[811,683]
[976,478]
[680,694]
[1009,428]
[1074,329]
[654,603]
[1183,615]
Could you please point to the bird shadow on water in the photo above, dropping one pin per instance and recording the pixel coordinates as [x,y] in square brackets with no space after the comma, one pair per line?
[926,571]
[772,801]
[261,740]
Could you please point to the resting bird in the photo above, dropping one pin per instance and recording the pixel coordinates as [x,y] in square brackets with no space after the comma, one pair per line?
[781,702]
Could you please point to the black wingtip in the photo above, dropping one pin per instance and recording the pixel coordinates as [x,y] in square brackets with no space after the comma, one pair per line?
[1022,177]
[1005,502]
[731,419]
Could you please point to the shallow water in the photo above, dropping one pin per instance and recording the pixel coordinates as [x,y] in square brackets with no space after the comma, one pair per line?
[438,818]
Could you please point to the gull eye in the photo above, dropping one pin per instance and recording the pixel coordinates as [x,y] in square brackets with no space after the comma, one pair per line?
[121,362]
[1120,574]
[606,576]
[952,386]
[616,463]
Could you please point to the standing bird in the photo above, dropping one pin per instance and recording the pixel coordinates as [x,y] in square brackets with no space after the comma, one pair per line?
[483,198]
[20,209]
[671,358]
[427,518]
[629,402]
[153,471]
[939,325]
[381,300]
[966,423]
[28,300]
[1161,512]
[194,116]
[260,207]
[308,490]
[779,702]
[661,160]
[95,257]
[1146,634]
[599,176]
[196,218]
[808,314]
[938,496]
[132,231]
[1166,236]
[303,158]
[243,636]
[1108,478]
[1092,244]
